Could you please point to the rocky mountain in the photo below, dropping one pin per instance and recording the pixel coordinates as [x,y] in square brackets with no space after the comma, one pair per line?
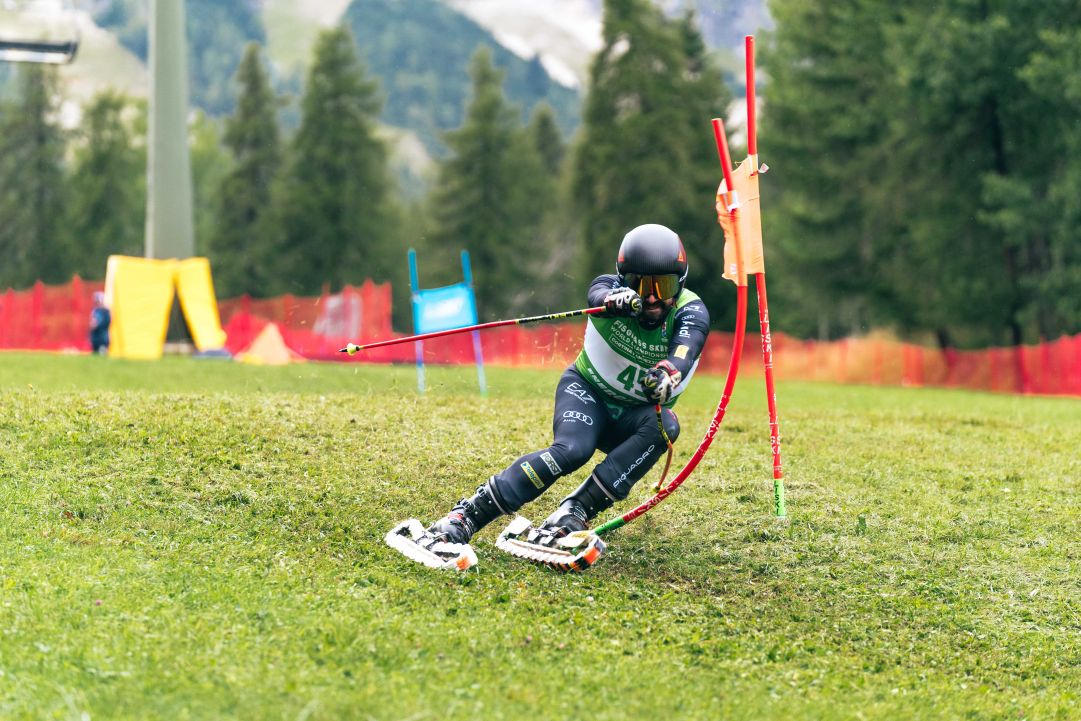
[419,49]
[565,34]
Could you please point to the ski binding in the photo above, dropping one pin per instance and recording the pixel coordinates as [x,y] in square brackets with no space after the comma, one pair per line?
[411,539]
[572,552]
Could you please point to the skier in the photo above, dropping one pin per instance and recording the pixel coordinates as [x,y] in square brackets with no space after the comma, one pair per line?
[640,352]
[100,320]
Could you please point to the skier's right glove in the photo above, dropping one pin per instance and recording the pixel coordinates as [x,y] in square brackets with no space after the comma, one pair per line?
[623,301]
[660,382]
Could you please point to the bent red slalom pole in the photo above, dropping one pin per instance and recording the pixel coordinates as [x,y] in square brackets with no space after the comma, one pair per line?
[763,304]
[352,348]
[729,197]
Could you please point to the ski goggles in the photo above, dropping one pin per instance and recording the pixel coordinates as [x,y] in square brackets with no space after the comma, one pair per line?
[662,286]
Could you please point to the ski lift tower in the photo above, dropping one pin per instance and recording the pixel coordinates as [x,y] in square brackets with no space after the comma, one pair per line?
[170,231]
[38,31]
[47,31]
[169,225]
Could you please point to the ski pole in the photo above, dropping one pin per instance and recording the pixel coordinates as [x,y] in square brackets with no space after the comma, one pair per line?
[352,348]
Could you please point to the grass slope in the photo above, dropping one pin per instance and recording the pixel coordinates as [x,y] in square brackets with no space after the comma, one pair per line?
[194,539]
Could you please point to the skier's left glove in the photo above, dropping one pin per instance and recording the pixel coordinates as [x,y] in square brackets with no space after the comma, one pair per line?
[660,381]
[624,302]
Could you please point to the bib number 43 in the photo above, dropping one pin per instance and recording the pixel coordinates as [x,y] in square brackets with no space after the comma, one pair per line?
[631,377]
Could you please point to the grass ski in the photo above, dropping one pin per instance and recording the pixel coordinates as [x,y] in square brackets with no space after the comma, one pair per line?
[412,540]
[572,552]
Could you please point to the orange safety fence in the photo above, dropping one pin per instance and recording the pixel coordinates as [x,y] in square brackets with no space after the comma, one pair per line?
[1047,368]
[57,318]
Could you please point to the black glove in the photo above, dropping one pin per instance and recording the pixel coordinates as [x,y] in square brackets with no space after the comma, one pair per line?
[660,381]
[623,301]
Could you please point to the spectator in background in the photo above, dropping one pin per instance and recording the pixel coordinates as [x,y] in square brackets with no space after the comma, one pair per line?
[100,319]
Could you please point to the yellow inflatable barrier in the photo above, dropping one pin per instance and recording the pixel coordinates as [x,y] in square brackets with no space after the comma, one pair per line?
[139,292]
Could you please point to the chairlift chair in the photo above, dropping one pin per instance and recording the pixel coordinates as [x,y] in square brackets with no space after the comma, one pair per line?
[38,31]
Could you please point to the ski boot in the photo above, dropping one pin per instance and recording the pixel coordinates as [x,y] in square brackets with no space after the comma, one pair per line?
[445,544]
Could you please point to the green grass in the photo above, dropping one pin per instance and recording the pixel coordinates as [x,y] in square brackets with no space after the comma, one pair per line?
[203,540]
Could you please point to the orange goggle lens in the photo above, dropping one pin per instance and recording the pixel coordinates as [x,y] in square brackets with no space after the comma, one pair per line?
[662,286]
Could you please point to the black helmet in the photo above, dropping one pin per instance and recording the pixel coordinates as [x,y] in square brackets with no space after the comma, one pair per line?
[652,250]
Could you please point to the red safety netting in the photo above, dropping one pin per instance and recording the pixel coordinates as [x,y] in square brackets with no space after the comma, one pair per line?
[48,317]
[57,318]
[315,327]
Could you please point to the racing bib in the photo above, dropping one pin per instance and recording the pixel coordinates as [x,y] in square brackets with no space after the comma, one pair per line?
[617,352]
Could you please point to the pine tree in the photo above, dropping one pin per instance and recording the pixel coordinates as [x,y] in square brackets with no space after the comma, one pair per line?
[824,127]
[336,204]
[1051,74]
[107,202]
[547,138]
[927,164]
[32,184]
[210,164]
[646,152]
[486,197]
[239,249]
[704,97]
[983,151]
[558,244]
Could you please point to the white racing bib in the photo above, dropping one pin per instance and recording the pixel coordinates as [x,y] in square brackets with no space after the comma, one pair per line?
[617,352]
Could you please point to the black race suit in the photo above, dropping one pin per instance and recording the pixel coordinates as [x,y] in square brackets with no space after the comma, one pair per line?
[591,414]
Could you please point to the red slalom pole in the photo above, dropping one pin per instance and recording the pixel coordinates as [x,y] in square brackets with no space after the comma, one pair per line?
[352,348]
[732,203]
[763,303]
[771,397]
[752,130]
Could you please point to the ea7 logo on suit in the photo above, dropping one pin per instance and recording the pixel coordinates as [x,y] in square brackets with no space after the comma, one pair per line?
[578,390]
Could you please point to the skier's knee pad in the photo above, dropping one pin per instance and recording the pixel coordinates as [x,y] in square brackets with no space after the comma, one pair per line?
[524,480]
[671,424]
[532,474]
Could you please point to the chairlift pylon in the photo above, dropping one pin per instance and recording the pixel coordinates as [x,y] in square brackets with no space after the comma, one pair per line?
[38,31]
